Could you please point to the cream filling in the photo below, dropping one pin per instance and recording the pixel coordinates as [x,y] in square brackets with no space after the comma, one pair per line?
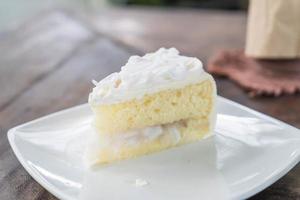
[139,136]
[97,142]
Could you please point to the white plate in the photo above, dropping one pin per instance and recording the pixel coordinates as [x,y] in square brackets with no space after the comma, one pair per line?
[253,151]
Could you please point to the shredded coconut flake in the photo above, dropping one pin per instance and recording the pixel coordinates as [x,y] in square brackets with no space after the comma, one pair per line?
[94,82]
[140,182]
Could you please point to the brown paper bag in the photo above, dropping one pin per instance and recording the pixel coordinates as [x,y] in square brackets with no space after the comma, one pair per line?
[273,29]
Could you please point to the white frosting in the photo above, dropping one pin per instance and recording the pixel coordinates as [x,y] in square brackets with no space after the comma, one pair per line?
[163,69]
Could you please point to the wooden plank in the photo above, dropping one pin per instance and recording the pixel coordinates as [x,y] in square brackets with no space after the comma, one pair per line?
[287,188]
[285,108]
[67,86]
[35,49]
[192,31]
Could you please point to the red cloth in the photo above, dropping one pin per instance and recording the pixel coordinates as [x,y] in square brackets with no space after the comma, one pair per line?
[268,77]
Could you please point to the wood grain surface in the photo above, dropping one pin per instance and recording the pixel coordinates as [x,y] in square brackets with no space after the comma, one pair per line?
[47,64]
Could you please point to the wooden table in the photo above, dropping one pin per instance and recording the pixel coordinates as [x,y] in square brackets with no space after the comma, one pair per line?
[47,64]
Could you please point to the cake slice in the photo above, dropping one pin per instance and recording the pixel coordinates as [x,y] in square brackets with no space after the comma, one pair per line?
[155,102]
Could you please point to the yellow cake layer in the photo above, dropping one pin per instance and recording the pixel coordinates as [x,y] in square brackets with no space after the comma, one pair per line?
[190,130]
[192,101]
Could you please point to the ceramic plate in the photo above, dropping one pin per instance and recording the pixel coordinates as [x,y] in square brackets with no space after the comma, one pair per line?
[249,152]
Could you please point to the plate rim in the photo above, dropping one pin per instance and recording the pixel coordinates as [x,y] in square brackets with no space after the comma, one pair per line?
[252,191]
[271,180]
[32,173]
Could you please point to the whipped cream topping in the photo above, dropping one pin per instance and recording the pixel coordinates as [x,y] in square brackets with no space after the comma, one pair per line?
[163,69]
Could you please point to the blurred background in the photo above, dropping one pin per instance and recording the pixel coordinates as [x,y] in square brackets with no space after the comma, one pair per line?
[13,12]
